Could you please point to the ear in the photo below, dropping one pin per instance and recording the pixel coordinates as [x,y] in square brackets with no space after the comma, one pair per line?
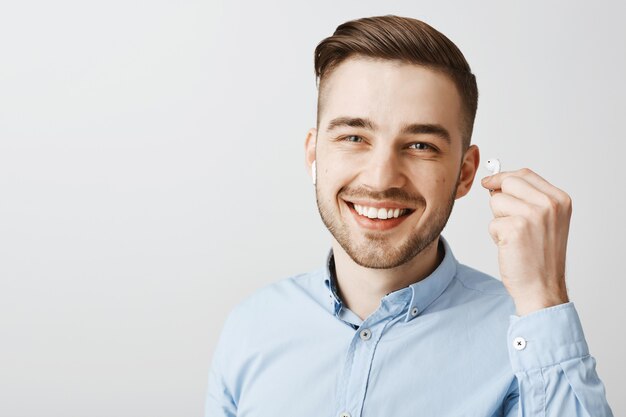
[309,148]
[469,167]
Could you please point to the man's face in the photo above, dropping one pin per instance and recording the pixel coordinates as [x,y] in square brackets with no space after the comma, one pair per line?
[403,183]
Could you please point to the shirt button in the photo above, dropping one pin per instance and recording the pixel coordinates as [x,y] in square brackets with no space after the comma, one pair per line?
[414,311]
[344,414]
[365,335]
[519,343]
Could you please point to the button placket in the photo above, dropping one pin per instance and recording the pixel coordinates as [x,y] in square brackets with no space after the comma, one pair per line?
[365,334]
[355,376]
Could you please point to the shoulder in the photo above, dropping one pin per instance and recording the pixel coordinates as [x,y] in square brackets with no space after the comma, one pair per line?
[474,280]
[282,290]
[482,292]
[278,298]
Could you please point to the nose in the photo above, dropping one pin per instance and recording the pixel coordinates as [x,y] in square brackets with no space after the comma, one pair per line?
[383,170]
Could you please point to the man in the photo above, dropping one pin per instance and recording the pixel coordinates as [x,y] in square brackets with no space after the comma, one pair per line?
[393,325]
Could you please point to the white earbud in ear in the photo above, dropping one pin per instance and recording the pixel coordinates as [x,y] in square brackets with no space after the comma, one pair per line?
[494,166]
[313,172]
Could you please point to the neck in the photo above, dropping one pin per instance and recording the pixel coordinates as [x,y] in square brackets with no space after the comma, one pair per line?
[361,288]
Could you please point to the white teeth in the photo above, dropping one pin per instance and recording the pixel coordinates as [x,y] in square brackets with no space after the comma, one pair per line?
[376,213]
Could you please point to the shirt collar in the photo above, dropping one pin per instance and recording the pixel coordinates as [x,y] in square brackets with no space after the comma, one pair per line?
[330,280]
[420,294]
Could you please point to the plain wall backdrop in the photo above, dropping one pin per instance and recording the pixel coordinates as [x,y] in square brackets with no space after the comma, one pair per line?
[152,176]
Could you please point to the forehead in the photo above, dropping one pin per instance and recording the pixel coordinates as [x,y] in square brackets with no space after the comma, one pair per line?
[391,93]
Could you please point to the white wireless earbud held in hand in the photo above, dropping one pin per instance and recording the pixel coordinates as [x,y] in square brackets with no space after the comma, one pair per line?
[313,172]
[493,165]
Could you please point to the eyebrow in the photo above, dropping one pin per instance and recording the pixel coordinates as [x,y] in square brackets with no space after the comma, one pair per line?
[409,128]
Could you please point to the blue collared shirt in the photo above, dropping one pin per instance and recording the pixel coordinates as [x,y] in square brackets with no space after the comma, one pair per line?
[448,345]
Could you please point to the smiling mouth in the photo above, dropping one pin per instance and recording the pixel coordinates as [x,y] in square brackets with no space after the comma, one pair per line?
[376,213]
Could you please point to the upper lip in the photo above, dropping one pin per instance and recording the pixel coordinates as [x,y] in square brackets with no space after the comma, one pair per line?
[378,204]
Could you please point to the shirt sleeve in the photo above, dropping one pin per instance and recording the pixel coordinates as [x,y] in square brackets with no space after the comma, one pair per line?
[556,376]
[219,401]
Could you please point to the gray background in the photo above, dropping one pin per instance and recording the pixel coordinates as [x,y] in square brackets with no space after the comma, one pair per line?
[152,175]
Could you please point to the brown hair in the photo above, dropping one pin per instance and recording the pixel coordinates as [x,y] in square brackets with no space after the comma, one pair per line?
[404,39]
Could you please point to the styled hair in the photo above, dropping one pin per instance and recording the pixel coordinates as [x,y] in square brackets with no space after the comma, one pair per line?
[402,39]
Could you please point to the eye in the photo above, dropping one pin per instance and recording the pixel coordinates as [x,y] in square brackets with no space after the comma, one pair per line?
[421,146]
[349,139]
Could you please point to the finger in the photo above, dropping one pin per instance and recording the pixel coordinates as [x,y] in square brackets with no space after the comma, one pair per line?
[521,189]
[495,181]
[496,229]
[502,228]
[506,205]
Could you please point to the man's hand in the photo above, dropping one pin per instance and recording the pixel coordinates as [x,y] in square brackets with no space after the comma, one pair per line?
[530,227]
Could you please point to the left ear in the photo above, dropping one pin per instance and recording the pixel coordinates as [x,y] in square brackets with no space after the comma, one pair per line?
[471,161]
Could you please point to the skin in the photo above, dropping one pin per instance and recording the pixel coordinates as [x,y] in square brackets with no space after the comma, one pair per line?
[420,171]
[530,227]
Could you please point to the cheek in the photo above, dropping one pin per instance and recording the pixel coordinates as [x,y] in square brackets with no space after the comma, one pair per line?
[436,186]
[445,183]
[335,171]
[329,181]
[430,179]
